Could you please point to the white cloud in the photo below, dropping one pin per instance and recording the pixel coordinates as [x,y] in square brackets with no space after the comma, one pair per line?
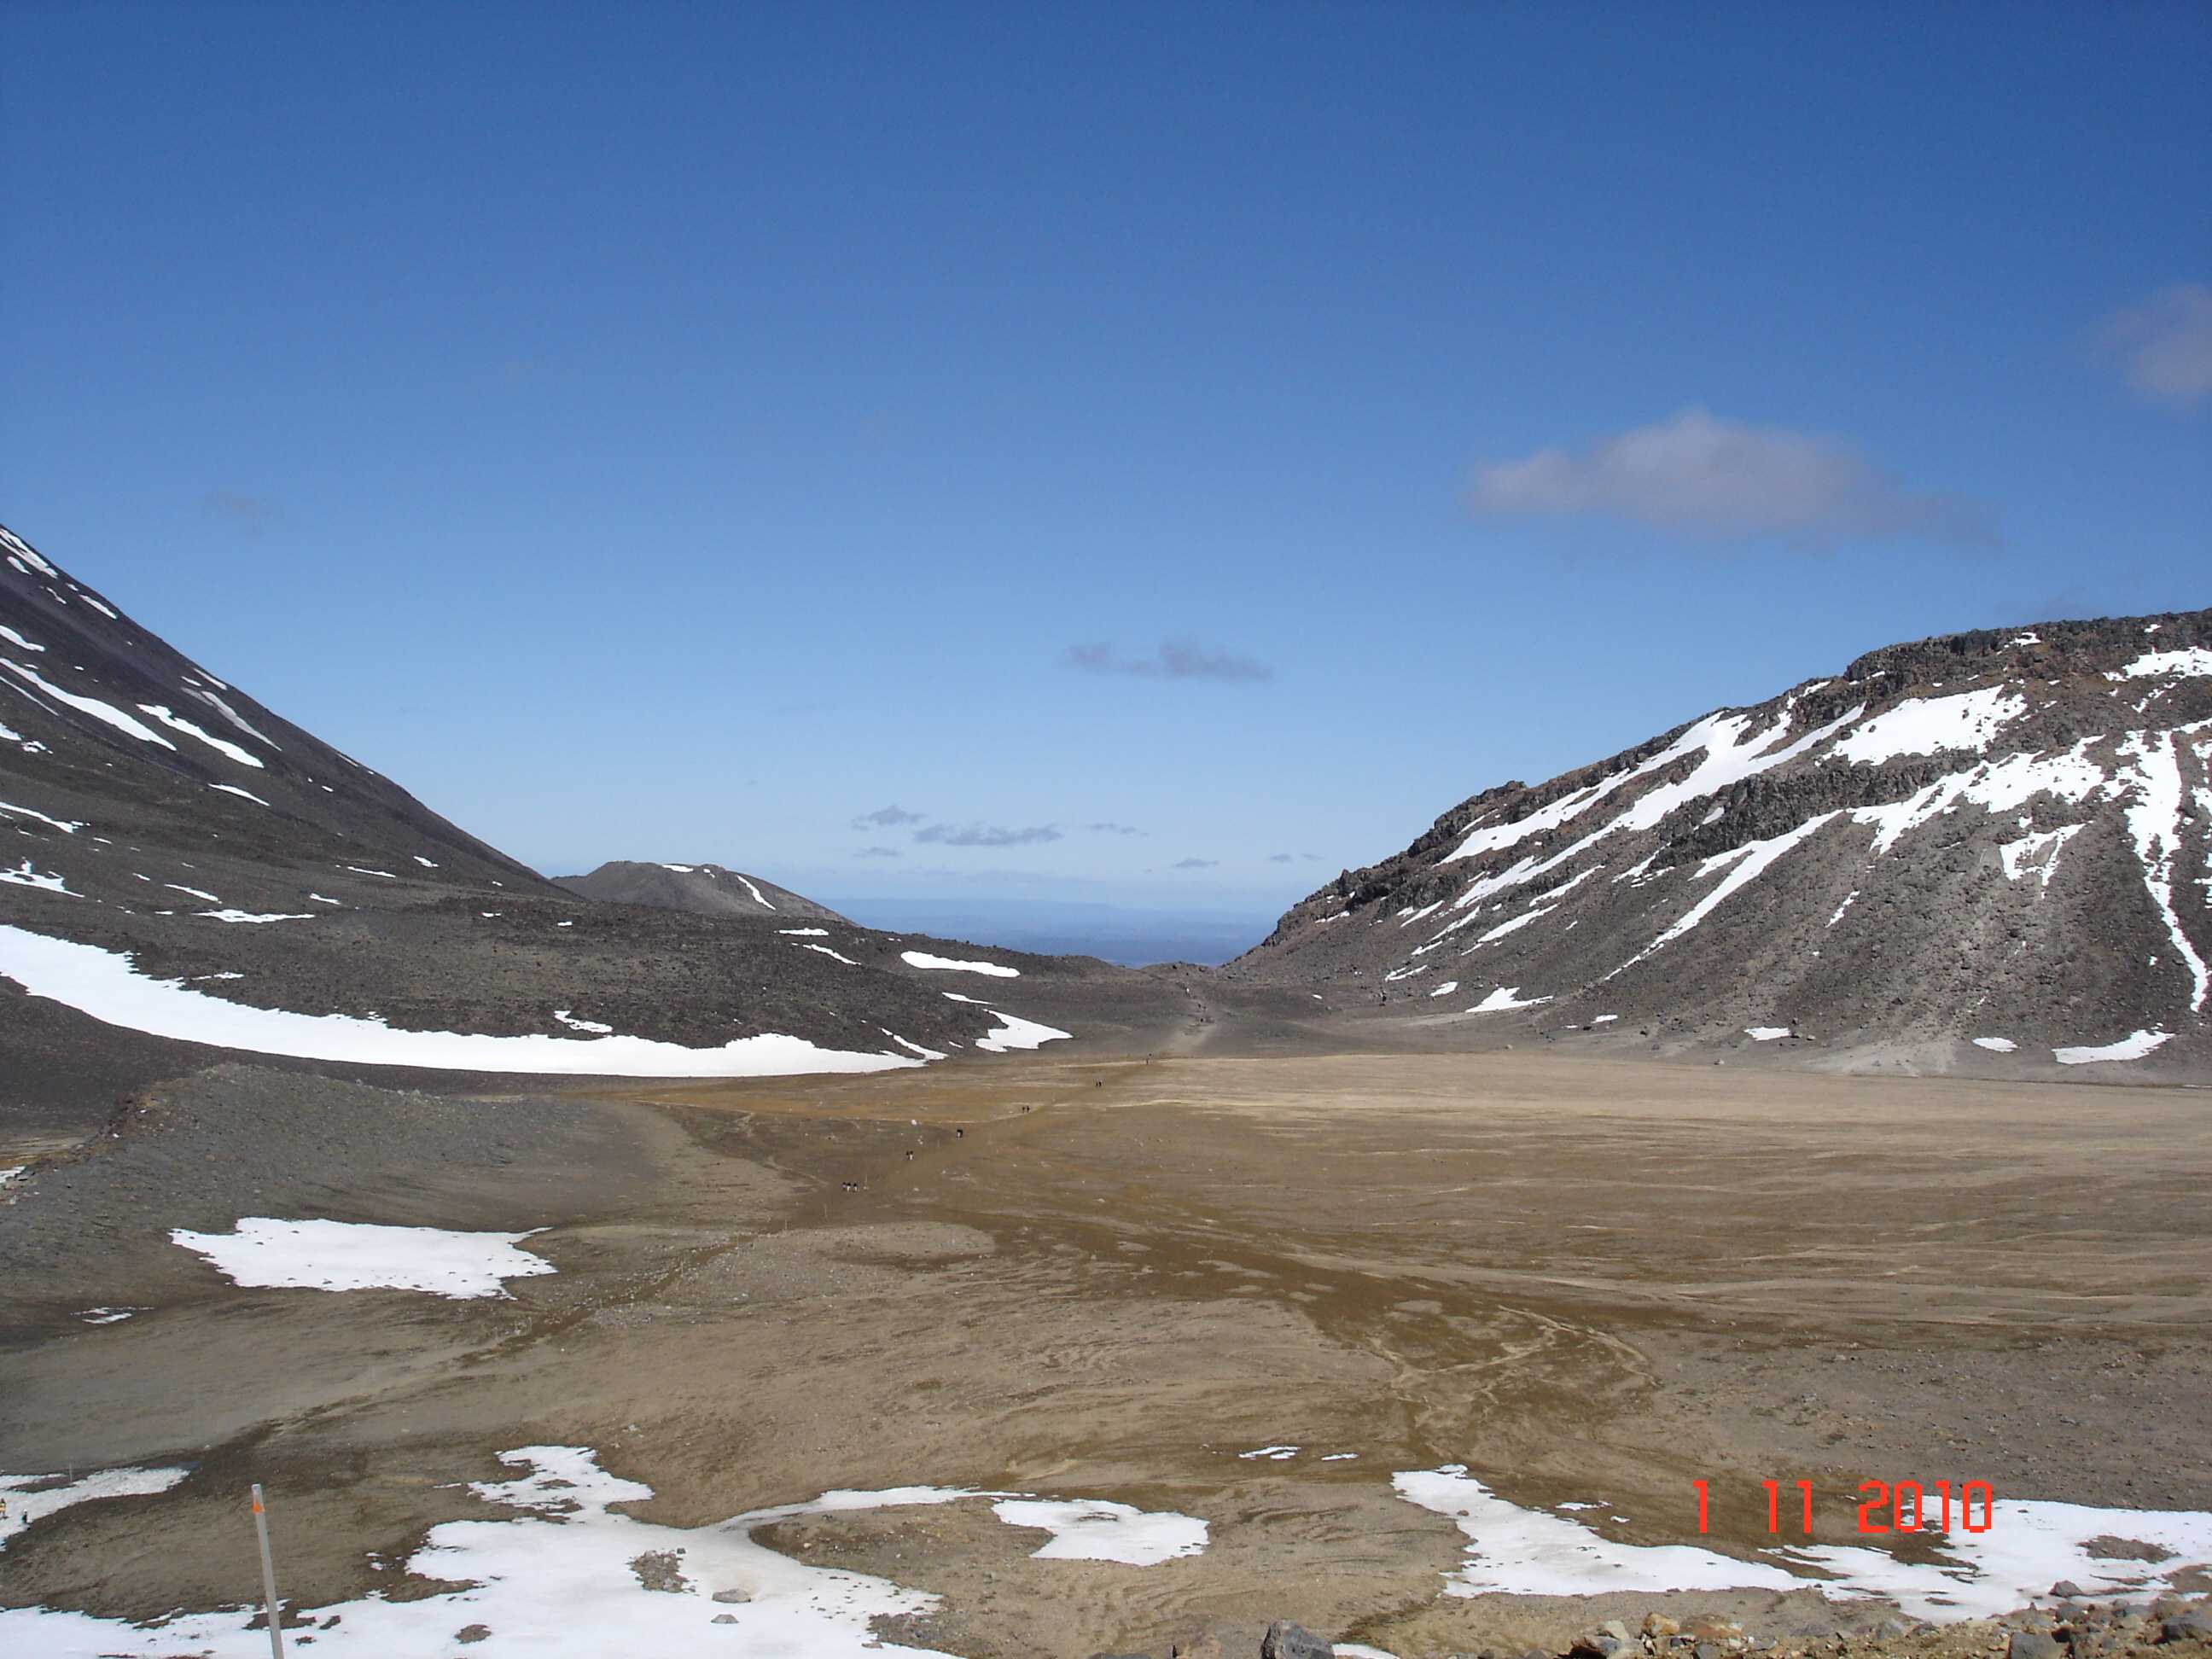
[1177,659]
[986,835]
[2164,344]
[1699,472]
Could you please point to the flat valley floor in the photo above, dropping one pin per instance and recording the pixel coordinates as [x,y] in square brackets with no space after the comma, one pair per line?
[1587,1281]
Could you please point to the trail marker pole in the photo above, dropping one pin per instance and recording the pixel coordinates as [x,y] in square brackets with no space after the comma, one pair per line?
[267,1575]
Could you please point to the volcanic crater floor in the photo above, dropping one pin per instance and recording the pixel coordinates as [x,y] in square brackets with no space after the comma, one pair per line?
[1590,1282]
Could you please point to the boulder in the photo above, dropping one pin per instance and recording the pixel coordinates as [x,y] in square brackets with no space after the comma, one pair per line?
[1285,1640]
[2195,1625]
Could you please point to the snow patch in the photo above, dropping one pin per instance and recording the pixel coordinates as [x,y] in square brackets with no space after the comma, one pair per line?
[1924,726]
[65,826]
[2194,663]
[1505,997]
[2037,853]
[1531,1553]
[1996,1045]
[29,1498]
[557,1580]
[1013,1032]
[228,712]
[923,959]
[108,986]
[264,1253]
[2029,1546]
[2134,1046]
[912,1047]
[1751,860]
[221,746]
[2155,825]
[1096,1530]
[108,714]
[24,876]
[20,549]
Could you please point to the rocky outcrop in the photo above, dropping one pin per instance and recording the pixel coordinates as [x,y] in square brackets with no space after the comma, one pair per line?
[1986,851]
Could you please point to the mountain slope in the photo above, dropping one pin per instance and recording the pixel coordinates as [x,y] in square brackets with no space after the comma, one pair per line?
[1988,849]
[99,718]
[182,870]
[703,889]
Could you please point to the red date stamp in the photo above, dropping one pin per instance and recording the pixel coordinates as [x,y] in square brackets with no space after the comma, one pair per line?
[1884,1506]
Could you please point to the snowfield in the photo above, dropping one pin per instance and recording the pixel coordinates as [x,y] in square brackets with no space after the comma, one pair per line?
[2029,1547]
[554,1578]
[108,986]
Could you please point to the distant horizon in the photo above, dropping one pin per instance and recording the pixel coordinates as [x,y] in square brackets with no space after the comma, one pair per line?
[1127,934]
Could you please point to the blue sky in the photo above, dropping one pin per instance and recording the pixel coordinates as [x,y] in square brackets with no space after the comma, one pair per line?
[682,432]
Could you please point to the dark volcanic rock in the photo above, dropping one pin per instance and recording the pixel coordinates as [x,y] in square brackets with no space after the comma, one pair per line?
[153,811]
[1285,1640]
[2004,836]
[703,889]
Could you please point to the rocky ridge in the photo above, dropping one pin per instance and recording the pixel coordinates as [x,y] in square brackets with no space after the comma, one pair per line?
[702,890]
[1985,851]
[162,831]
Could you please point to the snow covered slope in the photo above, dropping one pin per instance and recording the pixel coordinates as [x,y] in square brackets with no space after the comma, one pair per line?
[705,889]
[1985,850]
[182,870]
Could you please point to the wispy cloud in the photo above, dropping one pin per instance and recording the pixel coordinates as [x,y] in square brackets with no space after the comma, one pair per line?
[1698,472]
[2164,344]
[1279,857]
[1114,828]
[985,835]
[879,852]
[887,817]
[1175,659]
[248,514]
[1196,864]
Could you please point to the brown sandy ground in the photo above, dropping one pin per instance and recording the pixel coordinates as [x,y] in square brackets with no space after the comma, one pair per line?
[1584,1280]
